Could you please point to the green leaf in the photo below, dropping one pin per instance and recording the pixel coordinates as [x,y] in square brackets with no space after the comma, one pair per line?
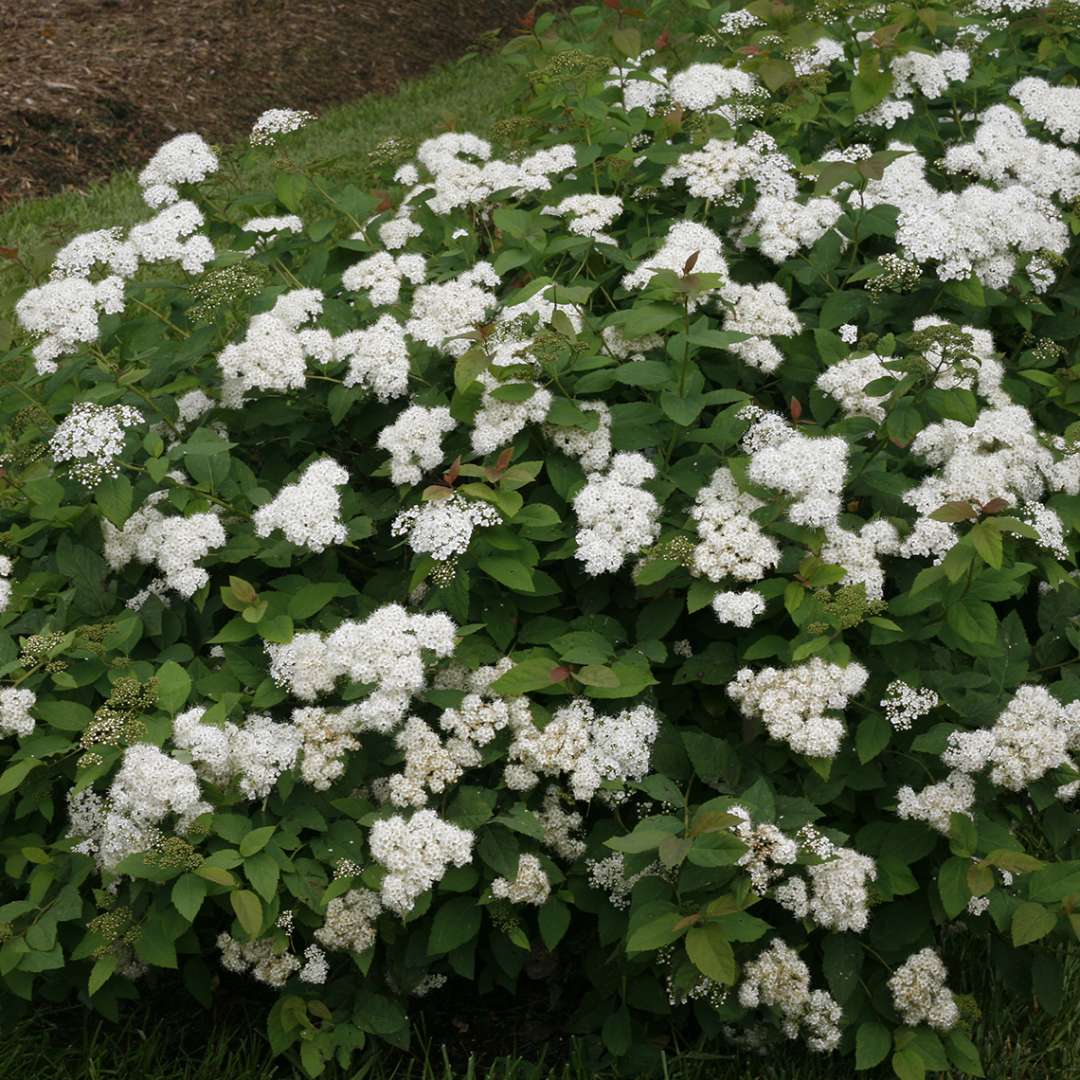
[654,931]
[1030,922]
[908,1064]
[842,307]
[681,410]
[216,874]
[598,675]
[103,968]
[974,620]
[456,922]
[871,737]
[256,840]
[646,319]
[249,911]
[872,1044]
[711,953]
[963,1053]
[617,1031]
[952,885]
[509,572]
[113,496]
[311,599]
[188,893]
[554,921]
[174,685]
[15,774]
[987,541]
[535,673]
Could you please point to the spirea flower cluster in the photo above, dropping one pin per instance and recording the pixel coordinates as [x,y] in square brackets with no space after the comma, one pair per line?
[632,546]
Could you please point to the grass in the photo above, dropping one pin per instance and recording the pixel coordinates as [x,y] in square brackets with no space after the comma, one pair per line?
[1017,1040]
[466,95]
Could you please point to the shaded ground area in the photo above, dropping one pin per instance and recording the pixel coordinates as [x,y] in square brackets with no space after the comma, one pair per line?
[92,86]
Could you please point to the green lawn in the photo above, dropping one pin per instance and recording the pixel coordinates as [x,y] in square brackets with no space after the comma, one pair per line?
[1017,1040]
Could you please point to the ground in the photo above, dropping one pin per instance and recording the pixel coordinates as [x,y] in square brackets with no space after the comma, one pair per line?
[92,86]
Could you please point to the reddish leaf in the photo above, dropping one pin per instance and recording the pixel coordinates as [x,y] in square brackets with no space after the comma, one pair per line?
[796,409]
[690,263]
[559,674]
[994,506]
[451,475]
[662,41]
[9,253]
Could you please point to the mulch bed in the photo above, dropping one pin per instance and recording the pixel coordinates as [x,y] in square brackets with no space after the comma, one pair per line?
[92,86]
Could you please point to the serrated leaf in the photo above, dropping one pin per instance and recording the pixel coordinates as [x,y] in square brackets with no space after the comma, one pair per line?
[249,911]
[1030,922]
[711,953]
[188,893]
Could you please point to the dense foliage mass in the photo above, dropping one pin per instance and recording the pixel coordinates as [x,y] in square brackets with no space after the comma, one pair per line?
[639,552]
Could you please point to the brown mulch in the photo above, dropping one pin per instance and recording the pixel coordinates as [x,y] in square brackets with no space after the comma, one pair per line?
[92,86]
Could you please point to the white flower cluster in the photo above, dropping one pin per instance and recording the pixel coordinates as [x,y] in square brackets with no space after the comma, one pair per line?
[64,314]
[720,90]
[172,542]
[272,225]
[793,702]
[463,172]
[1057,108]
[15,706]
[326,737]
[254,754]
[442,528]
[79,256]
[840,896]
[589,747]
[589,215]
[810,469]
[385,650]
[732,543]
[591,448]
[1032,736]
[919,993]
[903,704]
[927,73]
[777,978]
[846,381]
[1002,151]
[783,225]
[762,312]
[561,827]
[718,170]
[431,765]
[5,582]
[91,437]
[684,238]
[443,312]
[185,159]
[936,803]
[859,553]
[616,516]
[497,422]
[275,122]
[609,875]
[172,236]
[738,608]
[768,849]
[416,852]
[414,441]
[378,358]
[148,787]
[307,512]
[530,885]
[350,921]
[258,957]
[819,57]
[979,229]
[273,352]
[887,112]
[1001,455]
[381,275]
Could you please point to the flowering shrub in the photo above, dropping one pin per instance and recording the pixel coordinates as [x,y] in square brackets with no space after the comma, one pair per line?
[643,548]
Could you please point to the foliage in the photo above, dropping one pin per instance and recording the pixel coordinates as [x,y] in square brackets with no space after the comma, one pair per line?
[494,701]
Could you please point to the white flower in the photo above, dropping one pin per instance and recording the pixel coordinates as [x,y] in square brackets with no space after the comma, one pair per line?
[919,992]
[91,437]
[15,706]
[732,543]
[738,608]
[821,55]
[78,257]
[616,516]
[684,238]
[839,900]
[591,448]
[260,957]
[530,886]
[381,275]
[5,584]
[254,755]
[414,441]
[443,312]
[307,512]
[936,803]
[174,543]
[172,236]
[497,422]
[185,159]
[443,528]
[1057,108]
[589,214]
[793,703]
[276,122]
[929,74]
[903,704]
[761,311]
[416,852]
[350,921]
[64,314]
[284,223]
[784,225]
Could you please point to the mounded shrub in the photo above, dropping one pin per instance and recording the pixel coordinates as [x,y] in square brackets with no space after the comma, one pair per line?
[640,551]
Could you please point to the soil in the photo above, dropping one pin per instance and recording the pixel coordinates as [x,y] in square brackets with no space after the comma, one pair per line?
[92,86]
